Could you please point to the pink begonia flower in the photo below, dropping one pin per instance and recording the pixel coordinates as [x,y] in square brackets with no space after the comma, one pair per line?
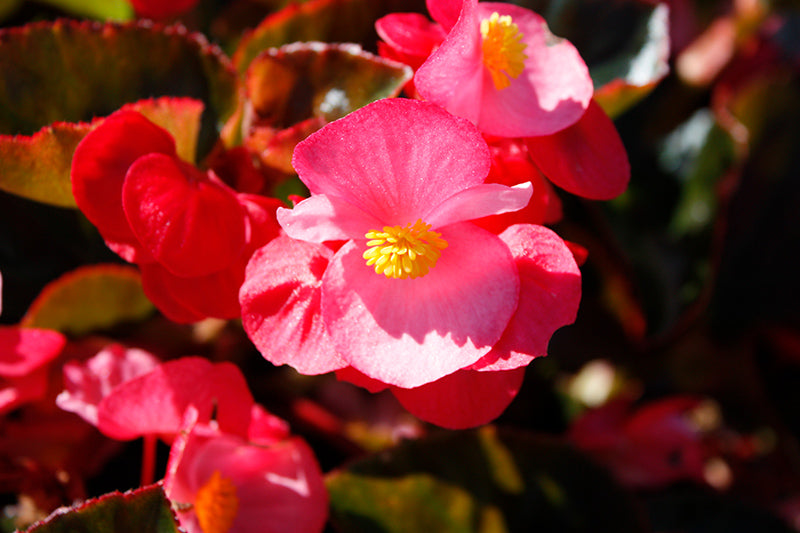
[393,279]
[220,482]
[497,65]
[24,356]
[190,234]
[88,382]
[154,403]
[651,447]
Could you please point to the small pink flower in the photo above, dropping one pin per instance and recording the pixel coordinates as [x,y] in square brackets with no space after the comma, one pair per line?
[220,482]
[87,383]
[24,356]
[392,278]
[497,65]
[190,234]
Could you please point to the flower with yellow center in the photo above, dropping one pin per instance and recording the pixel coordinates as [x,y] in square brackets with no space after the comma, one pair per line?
[404,252]
[503,52]
[216,504]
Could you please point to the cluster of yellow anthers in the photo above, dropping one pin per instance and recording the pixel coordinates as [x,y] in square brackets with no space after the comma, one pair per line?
[216,504]
[503,53]
[404,252]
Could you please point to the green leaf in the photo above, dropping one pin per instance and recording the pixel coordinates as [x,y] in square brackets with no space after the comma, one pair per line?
[298,88]
[37,167]
[69,71]
[119,10]
[485,480]
[89,298]
[144,509]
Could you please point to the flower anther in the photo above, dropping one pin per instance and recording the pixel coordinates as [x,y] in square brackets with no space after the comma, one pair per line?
[216,504]
[503,53]
[404,252]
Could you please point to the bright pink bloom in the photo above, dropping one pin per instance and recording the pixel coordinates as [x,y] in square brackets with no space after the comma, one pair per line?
[87,383]
[650,447]
[189,232]
[24,356]
[222,482]
[408,172]
[154,403]
[547,99]
[500,67]
[161,9]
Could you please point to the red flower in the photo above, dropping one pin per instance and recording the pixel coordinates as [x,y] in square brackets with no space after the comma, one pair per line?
[161,9]
[189,232]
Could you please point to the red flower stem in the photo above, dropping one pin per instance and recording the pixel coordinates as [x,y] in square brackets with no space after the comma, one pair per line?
[148,460]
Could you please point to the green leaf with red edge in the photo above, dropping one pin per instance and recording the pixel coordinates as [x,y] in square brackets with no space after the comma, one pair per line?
[318,20]
[38,166]
[486,480]
[298,88]
[90,298]
[143,509]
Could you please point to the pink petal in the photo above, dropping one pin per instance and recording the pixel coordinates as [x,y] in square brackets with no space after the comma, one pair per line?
[86,384]
[265,428]
[587,159]
[463,399]
[98,171]
[17,391]
[280,301]
[393,159]
[549,295]
[408,332]
[480,201]
[446,12]
[323,218]
[155,402]
[23,350]
[191,224]
[410,36]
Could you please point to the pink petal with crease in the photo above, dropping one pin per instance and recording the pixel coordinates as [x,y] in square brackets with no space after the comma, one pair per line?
[323,218]
[480,201]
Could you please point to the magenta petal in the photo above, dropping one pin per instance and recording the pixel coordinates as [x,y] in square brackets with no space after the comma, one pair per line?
[587,159]
[280,302]
[463,399]
[323,218]
[480,201]
[99,165]
[155,403]
[549,295]
[446,12]
[86,384]
[393,159]
[23,350]
[191,224]
[410,34]
[408,332]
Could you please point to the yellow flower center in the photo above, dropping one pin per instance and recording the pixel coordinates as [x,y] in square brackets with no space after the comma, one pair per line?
[215,504]
[404,252]
[503,53]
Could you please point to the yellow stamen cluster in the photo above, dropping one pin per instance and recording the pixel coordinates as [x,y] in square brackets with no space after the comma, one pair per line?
[404,252]
[216,504]
[503,53]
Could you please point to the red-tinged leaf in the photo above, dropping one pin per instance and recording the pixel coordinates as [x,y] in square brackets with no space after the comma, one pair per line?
[318,83]
[479,481]
[74,71]
[144,509]
[89,298]
[318,20]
